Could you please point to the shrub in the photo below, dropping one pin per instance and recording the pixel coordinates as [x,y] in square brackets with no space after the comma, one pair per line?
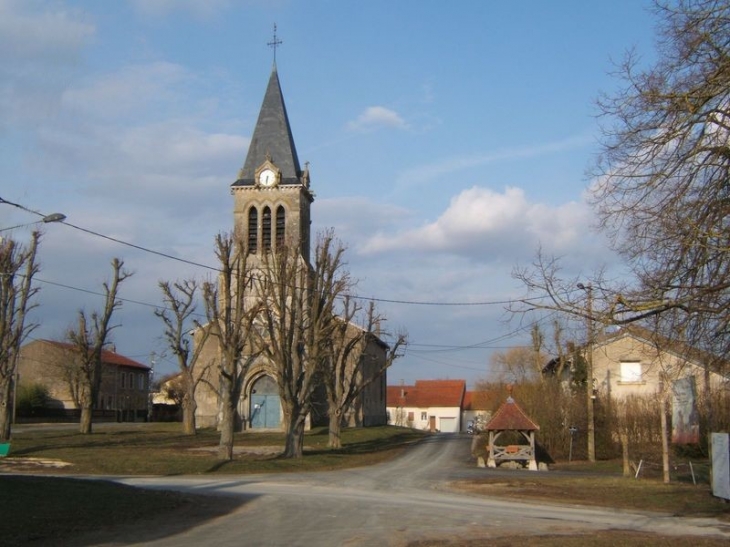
[31,399]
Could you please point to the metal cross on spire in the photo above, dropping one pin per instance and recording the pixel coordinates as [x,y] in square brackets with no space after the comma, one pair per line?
[274,43]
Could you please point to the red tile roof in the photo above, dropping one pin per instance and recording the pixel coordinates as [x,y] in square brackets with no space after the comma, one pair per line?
[108,357]
[510,416]
[428,393]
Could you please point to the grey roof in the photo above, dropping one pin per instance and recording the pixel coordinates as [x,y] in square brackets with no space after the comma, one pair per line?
[272,139]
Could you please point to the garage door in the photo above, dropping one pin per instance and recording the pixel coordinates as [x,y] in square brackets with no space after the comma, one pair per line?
[448,425]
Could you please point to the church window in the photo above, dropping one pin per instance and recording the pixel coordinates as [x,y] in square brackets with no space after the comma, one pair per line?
[280,226]
[266,229]
[253,230]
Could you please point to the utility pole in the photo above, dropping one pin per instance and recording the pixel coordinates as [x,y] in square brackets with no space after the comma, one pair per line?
[591,430]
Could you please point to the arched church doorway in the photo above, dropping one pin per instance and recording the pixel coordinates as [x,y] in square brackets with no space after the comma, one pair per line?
[265,411]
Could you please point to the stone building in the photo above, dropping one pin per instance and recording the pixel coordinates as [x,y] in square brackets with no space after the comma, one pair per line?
[271,205]
[124,393]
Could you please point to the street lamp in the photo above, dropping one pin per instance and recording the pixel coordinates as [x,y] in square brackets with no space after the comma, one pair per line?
[53,217]
[591,430]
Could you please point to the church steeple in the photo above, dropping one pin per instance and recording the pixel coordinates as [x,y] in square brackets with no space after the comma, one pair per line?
[272,196]
[272,140]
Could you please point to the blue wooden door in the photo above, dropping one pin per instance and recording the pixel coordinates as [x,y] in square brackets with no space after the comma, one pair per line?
[265,411]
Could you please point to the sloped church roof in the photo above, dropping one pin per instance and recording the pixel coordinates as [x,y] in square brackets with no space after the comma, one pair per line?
[272,139]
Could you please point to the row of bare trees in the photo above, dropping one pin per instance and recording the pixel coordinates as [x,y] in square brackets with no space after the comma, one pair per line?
[18,266]
[299,318]
[296,317]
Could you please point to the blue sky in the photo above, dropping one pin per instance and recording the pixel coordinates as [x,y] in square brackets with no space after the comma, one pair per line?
[447,141]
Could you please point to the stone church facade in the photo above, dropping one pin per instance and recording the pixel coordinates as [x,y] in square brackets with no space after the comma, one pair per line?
[272,205]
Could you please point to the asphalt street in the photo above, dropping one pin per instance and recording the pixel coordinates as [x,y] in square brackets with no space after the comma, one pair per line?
[391,504]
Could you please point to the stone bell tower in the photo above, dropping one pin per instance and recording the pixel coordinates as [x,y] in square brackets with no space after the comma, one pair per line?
[272,198]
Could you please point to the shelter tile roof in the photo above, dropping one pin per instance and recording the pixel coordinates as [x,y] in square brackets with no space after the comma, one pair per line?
[428,393]
[510,417]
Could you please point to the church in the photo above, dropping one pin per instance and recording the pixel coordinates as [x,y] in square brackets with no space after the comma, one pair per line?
[272,203]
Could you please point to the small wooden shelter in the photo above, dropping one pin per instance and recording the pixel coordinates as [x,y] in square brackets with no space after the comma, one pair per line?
[510,417]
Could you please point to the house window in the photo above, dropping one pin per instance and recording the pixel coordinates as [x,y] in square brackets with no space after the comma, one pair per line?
[140,382]
[123,380]
[424,416]
[253,229]
[631,372]
[410,416]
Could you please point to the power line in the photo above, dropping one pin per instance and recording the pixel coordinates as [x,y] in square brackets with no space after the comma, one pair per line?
[438,349]
[208,267]
[139,247]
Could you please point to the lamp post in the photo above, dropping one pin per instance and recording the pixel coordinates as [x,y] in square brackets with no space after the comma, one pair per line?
[591,429]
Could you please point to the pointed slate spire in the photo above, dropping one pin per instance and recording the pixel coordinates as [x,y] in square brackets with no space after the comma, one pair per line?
[272,139]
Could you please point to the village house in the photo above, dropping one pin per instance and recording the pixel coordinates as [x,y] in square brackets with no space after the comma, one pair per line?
[634,361]
[429,405]
[124,393]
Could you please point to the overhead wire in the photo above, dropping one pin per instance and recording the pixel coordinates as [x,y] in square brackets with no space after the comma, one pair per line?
[206,266]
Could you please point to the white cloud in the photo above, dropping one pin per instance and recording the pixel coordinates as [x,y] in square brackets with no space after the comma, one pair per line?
[39,52]
[486,225]
[44,35]
[375,117]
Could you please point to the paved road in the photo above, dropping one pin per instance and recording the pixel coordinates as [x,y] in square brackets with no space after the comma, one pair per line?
[391,504]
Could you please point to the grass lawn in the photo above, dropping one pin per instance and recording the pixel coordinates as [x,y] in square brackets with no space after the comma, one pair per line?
[161,449]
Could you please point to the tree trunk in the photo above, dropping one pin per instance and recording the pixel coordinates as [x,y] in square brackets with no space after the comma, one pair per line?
[227,426]
[294,447]
[625,452]
[6,409]
[665,439]
[335,439]
[189,406]
[85,421]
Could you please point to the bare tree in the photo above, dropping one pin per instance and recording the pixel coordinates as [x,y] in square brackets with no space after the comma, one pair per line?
[518,364]
[538,343]
[662,192]
[17,267]
[661,180]
[231,309]
[88,338]
[178,317]
[298,320]
[351,364]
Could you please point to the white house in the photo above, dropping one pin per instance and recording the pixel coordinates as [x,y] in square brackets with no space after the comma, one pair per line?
[430,405]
